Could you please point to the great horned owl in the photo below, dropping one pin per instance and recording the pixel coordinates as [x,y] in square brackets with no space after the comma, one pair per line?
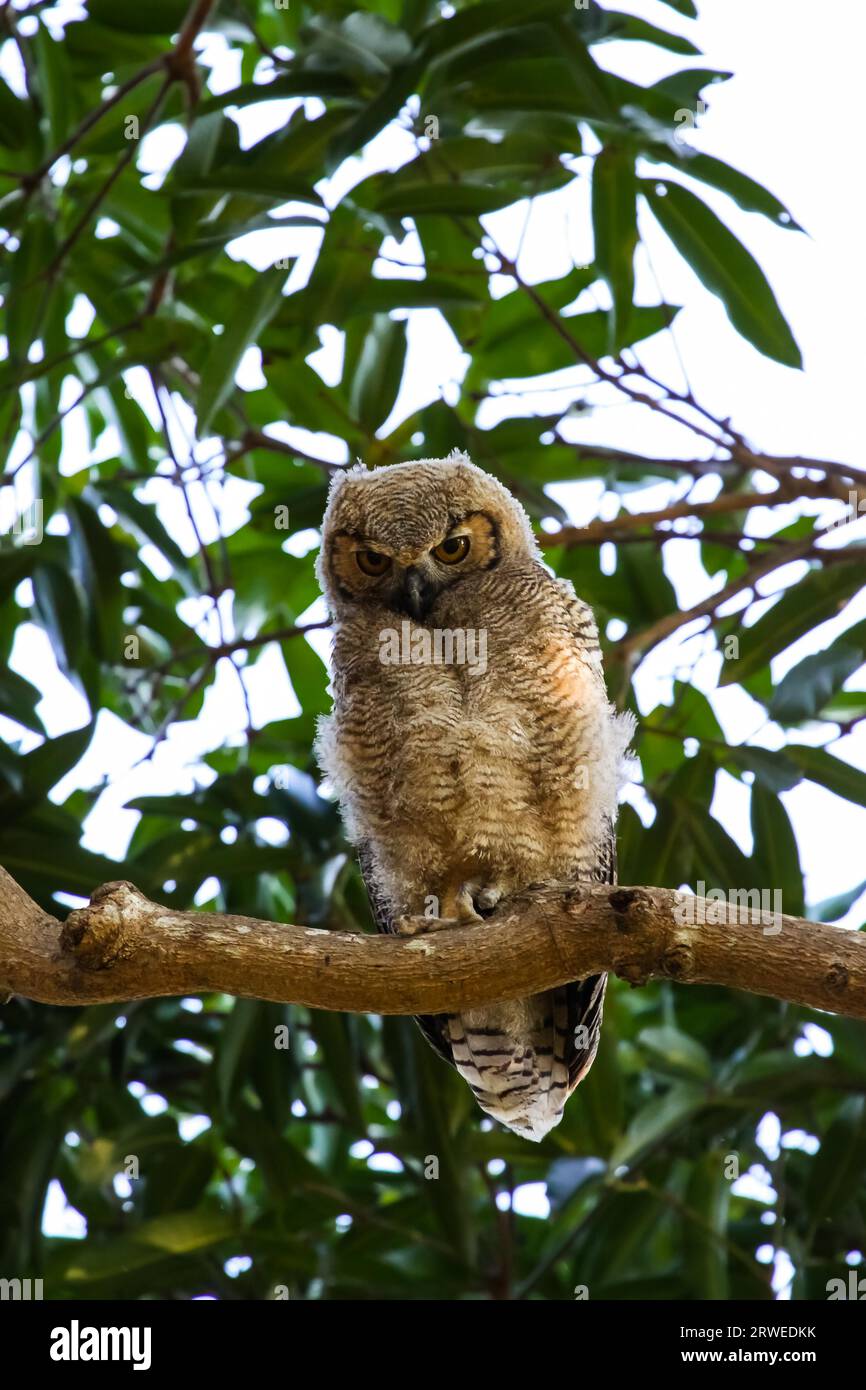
[471,743]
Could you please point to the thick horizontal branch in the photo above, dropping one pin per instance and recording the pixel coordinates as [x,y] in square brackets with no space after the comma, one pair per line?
[124,947]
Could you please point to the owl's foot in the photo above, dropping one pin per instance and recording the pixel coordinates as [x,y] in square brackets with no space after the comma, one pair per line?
[406,925]
[474,900]
[477,899]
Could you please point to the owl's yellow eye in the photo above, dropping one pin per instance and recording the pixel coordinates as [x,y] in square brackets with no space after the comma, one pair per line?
[452,550]
[372,563]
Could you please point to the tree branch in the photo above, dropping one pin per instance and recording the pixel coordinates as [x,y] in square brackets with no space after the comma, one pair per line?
[125,947]
[594,532]
[642,642]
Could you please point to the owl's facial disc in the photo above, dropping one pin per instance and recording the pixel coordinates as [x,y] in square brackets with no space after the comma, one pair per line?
[408,580]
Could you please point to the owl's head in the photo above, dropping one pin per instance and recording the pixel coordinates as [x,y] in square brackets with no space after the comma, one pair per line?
[399,536]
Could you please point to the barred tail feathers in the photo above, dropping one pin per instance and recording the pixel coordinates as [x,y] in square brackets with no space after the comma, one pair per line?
[523,1059]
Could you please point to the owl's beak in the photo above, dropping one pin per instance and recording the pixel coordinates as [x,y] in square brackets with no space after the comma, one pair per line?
[417,594]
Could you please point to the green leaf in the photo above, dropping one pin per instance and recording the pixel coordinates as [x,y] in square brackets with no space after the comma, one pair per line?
[776,851]
[27,290]
[379,372]
[812,683]
[715,854]
[660,855]
[334,1036]
[45,864]
[59,610]
[179,1233]
[517,341]
[156,17]
[255,311]
[676,1052]
[820,595]
[836,1174]
[831,909]
[489,16]
[658,1120]
[834,774]
[414,198]
[360,42]
[308,675]
[55,82]
[746,193]
[627,26]
[705,1249]
[434,291]
[142,520]
[641,575]
[536,84]
[614,225]
[681,89]
[97,562]
[310,403]
[17,120]
[18,700]
[273,185]
[298,83]
[724,266]
[233,1055]
[771,768]
[48,764]
[845,706]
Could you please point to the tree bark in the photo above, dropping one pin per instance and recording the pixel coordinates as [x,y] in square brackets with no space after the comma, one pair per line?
[125,947]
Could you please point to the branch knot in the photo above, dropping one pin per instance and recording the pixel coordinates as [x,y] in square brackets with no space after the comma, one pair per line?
[109,929]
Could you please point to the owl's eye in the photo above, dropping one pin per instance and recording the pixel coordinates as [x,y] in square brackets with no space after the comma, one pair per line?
[373,563]
[452,550]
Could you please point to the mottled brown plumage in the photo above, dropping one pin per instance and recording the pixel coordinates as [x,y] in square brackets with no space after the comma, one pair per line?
[463,782]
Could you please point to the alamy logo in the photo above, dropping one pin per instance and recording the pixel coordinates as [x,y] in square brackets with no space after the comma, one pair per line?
[438,646]
[77,1343]
[713,906]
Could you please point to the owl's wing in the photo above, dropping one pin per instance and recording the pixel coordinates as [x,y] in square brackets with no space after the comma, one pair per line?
[582,1002]
[433,1026]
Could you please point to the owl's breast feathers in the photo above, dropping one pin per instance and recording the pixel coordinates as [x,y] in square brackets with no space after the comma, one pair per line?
[514,758]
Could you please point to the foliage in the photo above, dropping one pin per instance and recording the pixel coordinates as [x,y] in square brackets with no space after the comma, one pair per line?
[642,1204]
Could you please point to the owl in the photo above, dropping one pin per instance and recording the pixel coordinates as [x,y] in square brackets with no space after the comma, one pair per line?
[471,744]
